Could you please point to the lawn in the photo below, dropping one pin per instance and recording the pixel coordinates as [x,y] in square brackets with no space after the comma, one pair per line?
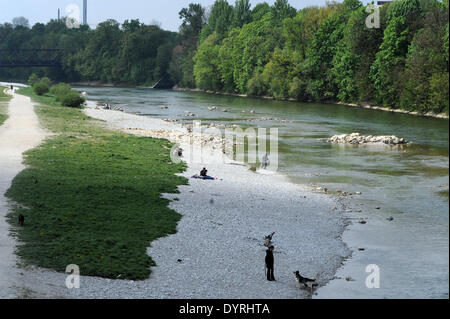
[3,105]
[93,196]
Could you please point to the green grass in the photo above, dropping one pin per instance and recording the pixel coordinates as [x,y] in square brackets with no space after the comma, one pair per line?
[93,196]
[4,99]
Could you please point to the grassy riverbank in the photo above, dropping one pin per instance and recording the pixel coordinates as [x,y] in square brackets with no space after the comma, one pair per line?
[93,196]
[4,98]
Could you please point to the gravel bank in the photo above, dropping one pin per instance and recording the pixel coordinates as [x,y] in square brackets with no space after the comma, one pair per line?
[218,250]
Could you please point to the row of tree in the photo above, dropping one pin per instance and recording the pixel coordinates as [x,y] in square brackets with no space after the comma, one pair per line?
[329,53]
[131,53]
[317,53]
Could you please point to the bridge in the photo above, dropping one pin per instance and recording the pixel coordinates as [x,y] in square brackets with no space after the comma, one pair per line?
[29,58]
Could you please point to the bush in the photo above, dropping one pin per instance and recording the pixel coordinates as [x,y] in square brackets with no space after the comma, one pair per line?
[72,99]
[60,90]
[40,88]
[46,81]
[33,79]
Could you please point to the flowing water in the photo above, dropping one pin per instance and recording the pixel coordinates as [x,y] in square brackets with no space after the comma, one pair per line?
[409,183]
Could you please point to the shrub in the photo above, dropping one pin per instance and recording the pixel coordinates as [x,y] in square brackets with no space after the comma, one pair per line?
[46,81]
[40,88]
[72,99]
[33,79]
[60,90]
[256,85]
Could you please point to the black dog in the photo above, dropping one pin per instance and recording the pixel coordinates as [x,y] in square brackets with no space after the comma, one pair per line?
[305,282]
[21,220]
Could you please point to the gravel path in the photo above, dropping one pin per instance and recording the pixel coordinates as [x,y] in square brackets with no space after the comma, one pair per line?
[19,133]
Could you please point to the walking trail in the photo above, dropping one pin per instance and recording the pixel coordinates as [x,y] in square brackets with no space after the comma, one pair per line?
[19,133]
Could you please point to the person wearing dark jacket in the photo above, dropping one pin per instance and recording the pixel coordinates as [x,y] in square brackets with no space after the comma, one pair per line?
[270,263]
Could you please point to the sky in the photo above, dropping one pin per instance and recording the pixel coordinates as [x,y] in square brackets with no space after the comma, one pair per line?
[147,11]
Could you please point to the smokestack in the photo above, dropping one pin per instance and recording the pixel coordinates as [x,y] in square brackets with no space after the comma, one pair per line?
[85,22]
[59,14]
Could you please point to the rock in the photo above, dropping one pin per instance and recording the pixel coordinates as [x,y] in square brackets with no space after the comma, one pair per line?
[363,222]
[362,249]
[356,139]
[378,208]
[391,219]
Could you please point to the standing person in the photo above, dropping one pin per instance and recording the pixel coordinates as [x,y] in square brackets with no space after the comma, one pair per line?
[265,161]
[12,88]
[270,264]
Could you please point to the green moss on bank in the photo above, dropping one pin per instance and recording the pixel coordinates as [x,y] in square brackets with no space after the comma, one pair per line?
[93,196]
[4,99]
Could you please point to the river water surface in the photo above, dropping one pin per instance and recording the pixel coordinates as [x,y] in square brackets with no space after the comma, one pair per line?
[409,184]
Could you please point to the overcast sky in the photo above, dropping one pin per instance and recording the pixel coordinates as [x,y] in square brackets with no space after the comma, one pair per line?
[147,11]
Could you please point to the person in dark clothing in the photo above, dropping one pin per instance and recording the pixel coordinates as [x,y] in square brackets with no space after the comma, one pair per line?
[269,263]
[204,172]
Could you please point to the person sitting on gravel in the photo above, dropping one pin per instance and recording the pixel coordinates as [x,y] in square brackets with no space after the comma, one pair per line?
[204,175]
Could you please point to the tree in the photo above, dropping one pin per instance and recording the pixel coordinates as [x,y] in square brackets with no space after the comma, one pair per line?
[206,69]
[20,22]
[260,10]
[282,10]
[40,88]
[242,13]
[220,20]
[193,21]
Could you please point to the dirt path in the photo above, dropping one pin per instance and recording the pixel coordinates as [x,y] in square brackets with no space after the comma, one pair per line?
[19,133]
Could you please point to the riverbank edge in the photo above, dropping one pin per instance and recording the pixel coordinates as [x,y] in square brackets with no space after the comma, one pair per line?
[363,105]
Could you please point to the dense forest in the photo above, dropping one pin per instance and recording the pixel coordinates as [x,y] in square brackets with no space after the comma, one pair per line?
[312,54]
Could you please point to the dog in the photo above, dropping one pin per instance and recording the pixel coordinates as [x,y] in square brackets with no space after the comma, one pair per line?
[21,220]
[268,239]
[306,282]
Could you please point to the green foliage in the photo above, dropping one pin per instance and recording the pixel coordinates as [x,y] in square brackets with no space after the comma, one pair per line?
[72,99]
[242,13]
[33,79]
[282,10]
[40,88]
[123,54]
[4,98]
[220,20]
[46,81]
[93,197]
[60,90]
[256,85]
[206,67]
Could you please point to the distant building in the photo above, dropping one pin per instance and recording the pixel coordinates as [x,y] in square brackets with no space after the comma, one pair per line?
[382,3]
[85,22]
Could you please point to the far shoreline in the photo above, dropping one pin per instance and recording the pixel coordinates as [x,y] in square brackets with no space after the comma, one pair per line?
[362,105]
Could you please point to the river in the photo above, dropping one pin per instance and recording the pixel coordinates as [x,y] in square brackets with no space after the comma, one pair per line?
[409,184]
